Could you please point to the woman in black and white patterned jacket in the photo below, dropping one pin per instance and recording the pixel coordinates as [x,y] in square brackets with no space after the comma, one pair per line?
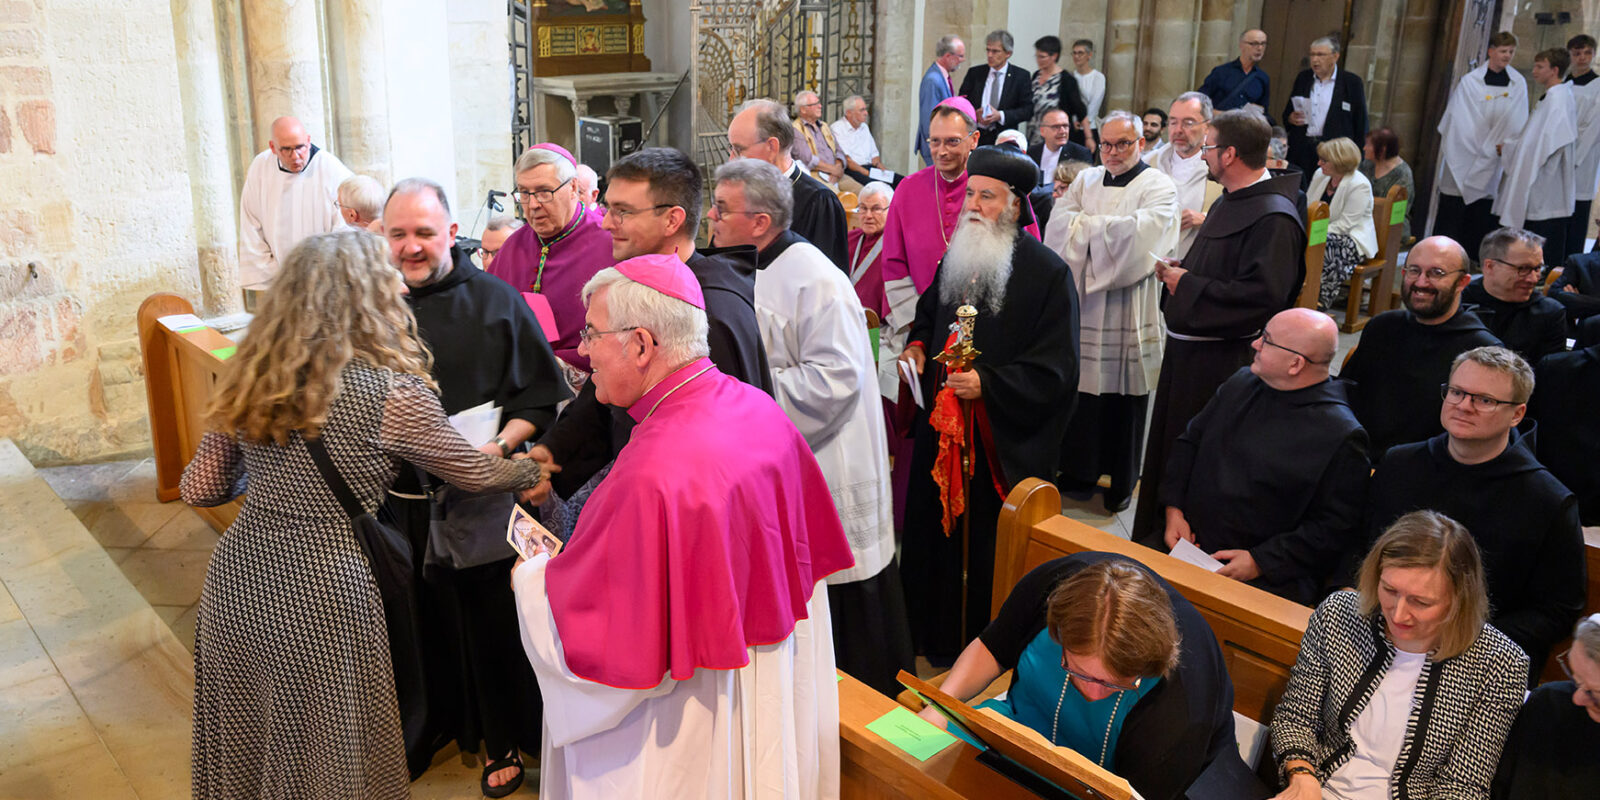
[1402,689]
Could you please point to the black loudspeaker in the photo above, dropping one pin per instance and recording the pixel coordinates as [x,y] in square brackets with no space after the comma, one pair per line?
[602,140]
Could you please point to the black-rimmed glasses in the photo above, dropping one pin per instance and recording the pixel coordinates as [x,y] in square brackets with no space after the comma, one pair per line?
[1267,340]
[589,334]
[623,214]
[1482,402]
[540,196]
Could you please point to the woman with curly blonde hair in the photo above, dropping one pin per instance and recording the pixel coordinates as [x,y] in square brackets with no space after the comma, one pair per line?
[294,688]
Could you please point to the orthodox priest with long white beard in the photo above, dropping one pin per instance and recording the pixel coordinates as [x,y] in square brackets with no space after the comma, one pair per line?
[1011,403]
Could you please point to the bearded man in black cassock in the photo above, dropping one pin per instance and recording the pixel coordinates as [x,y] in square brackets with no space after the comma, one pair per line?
[1020,389]
[1246,264]
[487,348]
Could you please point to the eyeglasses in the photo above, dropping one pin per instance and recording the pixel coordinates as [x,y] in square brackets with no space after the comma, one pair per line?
[1188,124]
[1267,340]
[1480,402]
[1055,127]
[1523,270]
[589,334]
[1121,147]
[540,196]
[874,209]
[1115,687]
[723,212]
[1592,694]
[299,148]
[1433,273]
[484,252]
[623,214]
[1248,43]
[949,144]
[1206,147]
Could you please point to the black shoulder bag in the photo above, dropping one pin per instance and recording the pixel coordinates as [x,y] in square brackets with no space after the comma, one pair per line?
[388,555]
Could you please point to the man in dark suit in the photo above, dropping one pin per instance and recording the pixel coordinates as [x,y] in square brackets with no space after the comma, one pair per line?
[1056,149]
[1001,92]
[1578,288]
[937,86]
[1334,103]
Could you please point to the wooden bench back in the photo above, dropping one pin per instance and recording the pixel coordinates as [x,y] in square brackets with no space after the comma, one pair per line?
[1315,255]
[1259,632]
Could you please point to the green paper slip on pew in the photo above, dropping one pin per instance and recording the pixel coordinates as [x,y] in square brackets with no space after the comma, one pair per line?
[1318,233]
[1398,215]
[222,353]
[911,733]
[872,337]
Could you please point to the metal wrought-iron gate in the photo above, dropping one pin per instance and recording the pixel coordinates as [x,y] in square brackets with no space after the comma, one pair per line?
[773,49]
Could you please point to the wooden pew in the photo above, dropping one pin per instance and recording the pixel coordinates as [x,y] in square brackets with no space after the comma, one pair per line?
[1315,255]
[1259,632]
[871,768]
[1380,268]
[1591,553]
[179,371]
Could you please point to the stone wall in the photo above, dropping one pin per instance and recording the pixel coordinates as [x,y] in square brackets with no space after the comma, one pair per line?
[480,88]
[97,214]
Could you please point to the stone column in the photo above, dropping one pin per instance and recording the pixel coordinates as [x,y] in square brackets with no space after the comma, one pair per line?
[210,170]
[357,72]
[285,58]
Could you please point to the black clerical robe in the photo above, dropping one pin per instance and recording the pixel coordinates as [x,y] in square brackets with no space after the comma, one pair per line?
[1553,749]
[589,433]
[1397,368]
[487,346]
[819,217]
[1282,474]
[1563,402]
[1533,328]
[1028,368]
[1524,521]
[1246,264]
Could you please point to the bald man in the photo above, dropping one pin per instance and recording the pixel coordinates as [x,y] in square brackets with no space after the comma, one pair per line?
[1270,478]
[291,191]
[1241,82]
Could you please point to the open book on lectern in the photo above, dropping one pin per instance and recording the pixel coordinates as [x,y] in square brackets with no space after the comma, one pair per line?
[1022,754]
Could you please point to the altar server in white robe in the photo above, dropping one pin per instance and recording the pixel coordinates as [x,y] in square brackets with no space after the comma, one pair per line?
[1487,109]
[681,637]
[1184,162]
[1110,226]
[291,191]
[1539,189]
[1586,91]
[824,377]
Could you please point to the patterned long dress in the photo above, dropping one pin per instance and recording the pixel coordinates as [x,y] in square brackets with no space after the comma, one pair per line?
[294,690]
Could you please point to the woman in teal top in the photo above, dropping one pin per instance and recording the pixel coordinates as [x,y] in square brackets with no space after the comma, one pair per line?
[1112,662]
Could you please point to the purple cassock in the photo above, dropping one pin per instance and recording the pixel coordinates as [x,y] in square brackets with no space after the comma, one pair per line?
[558,269]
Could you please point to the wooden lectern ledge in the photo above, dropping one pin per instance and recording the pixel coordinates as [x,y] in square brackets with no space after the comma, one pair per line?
[180,370]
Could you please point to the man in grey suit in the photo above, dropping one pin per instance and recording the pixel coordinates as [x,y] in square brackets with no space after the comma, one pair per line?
[938,85]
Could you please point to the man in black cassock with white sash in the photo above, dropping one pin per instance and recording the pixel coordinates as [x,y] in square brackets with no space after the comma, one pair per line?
[1246,264]
[1020,389]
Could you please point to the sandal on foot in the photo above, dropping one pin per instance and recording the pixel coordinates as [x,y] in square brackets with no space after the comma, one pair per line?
[495,766]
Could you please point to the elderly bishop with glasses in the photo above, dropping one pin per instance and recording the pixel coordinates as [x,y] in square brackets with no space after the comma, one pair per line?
[1270,477]
[560,248]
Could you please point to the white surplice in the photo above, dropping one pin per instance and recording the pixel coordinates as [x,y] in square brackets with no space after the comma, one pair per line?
[277,209]
[824,378]
[1478,118]
[766,731]
[1107,235]
[1587,172]
[1539,181]
[1189,175]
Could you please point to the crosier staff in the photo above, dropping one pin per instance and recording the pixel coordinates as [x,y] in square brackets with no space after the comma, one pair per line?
[955,439]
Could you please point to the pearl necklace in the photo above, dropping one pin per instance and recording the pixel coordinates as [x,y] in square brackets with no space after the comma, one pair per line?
[1056,721]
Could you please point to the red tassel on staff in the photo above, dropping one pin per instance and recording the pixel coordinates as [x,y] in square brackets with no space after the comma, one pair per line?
[947,421]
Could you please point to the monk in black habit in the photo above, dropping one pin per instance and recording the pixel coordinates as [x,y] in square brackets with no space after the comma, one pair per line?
[762,129]
[1482,473]
[1271,476]
[1404,354]
[1569,425]
[487,347]
[1507,299]
[1246,264]
[1021,387]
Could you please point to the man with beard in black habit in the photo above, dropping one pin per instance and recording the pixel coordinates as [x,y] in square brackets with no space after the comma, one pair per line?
[1246,263]
[1020,389]
[487,348]
[1404,354]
